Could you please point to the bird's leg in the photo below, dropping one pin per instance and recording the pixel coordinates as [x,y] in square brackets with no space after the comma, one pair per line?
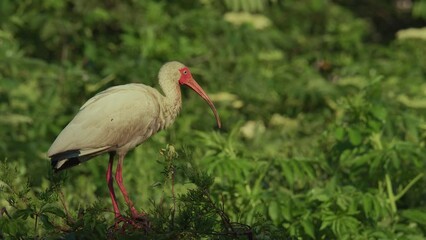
[139,220]
[119,179]
[110,186]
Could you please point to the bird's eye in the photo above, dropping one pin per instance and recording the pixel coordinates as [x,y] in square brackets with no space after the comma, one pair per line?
[185,72]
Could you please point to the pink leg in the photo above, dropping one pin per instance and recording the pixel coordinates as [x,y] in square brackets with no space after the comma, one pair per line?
[110,187]
[119,179]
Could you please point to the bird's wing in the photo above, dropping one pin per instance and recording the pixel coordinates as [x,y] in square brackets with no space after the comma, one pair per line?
[119,117]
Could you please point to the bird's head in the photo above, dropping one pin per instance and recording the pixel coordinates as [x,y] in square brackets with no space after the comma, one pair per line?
[179,73]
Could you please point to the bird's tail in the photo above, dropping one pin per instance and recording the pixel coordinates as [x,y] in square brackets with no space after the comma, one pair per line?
[71,158]
[65,160]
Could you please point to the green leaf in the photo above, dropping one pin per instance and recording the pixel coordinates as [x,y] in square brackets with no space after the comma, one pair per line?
[367,204]
[23,213]
[342,202]
[419,103]
[379,112]
[308,227]
[319,194]
[415,215]
[354,136]
[45,220]
[286,210]
[274,211]
[325,224]
[339,133]
[54,210]
[287,171]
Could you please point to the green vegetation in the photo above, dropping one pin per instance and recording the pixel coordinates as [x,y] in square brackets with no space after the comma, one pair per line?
[323,119]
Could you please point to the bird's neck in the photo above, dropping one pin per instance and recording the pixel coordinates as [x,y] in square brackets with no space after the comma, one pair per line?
[172,100]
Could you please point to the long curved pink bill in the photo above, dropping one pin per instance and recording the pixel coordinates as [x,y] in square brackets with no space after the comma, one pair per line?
[194,85]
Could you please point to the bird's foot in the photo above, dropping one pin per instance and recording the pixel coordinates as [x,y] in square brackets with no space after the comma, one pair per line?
[139,222]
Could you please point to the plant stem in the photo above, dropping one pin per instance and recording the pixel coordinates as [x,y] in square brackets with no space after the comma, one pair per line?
[409,185]
[391,196]
[35,224]
[64,205]
[173,192]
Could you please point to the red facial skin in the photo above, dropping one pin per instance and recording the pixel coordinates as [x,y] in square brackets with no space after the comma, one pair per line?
[187,79]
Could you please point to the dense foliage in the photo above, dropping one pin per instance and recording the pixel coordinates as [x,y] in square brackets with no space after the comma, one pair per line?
[323,122]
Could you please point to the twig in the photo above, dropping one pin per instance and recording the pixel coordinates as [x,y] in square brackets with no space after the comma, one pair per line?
[62,198]
[4,211]
[232,231]
[172,172]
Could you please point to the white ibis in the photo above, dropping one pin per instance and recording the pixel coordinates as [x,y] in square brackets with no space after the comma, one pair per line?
[120,118]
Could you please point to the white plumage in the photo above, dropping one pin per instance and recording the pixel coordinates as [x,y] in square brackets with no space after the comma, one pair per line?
[116,119]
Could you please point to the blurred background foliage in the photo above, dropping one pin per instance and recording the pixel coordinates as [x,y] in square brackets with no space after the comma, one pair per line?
[322,102]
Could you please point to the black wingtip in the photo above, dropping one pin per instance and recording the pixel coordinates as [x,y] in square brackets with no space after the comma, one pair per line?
[70,162]
[71,159]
